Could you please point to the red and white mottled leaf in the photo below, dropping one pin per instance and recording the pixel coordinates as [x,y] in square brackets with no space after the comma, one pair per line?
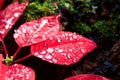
[15,72]
[66,48]
[19,72]
[87,77]
[9,16]
[36,31]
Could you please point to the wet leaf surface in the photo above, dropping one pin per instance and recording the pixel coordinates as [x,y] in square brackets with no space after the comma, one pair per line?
[66,48]
[36,31]
[9,16]
[15,71]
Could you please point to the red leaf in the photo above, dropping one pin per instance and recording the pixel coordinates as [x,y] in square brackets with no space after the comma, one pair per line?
[1,3]
[9,16]
[37,30]
[66,48]
[19,72]
[15,72]
[3,68]
[87,77]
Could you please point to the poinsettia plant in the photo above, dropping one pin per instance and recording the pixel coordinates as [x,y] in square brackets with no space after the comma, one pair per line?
[46,40]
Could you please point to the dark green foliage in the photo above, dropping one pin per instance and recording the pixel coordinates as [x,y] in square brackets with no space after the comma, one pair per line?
[82,28]
[105,28]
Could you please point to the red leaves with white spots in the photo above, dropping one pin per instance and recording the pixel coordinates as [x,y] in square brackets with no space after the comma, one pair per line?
[15,72]
[19,72]
[36,31]
[66,48]
[87,77]
[9,16]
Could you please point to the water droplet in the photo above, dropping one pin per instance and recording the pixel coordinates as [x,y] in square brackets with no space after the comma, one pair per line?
[70,34]
[59,39]
[74,60]
[66,34]
[48,56]
[23,30]
[15,30]
[43,52]
[50,50]
[43,37]
[9,21]
[36,35]
[19,32]
[15,64]
[27,78]
[55,60]
[2,31]
[68,56]
[57,26]
[70,50]
[50,61]
[66,63]
[51,38]
[64,54]
[15,35]
[56,48]
[7,26]
[36,53]
[82,50]
[40,56]
[74,36]
[16,14]
[63,35]
[60,50]
[31,31]
[71,38]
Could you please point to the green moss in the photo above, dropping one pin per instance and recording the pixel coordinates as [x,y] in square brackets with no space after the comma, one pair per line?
[82,28]
[36,10]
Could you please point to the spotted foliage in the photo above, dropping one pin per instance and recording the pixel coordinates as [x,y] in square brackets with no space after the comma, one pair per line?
[66,48]
[19,72]
[36,31]
[15,72]
[9,16]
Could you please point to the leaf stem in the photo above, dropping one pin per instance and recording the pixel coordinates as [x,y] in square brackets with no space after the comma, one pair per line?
[19,48]
[4,46]
[23,58]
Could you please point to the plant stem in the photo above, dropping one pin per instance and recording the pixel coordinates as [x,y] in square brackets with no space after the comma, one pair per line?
[16,52]
[5,49]
[23,58]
